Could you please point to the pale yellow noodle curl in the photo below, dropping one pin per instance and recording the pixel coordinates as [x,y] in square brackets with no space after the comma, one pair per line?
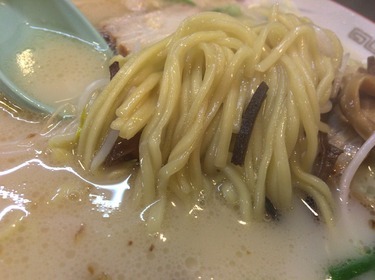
[186,95]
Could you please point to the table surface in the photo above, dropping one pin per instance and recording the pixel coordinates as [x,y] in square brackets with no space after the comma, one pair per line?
[363,7]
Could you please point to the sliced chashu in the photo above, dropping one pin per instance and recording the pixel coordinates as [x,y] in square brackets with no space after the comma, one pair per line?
[132,32]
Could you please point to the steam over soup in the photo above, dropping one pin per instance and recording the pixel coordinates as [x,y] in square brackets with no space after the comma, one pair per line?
[91,197]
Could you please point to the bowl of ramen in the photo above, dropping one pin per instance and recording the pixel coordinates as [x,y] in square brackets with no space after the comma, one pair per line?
[226,140]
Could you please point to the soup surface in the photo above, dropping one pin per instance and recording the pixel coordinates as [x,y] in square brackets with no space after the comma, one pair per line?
[57,68]
[50,66]
[58,224]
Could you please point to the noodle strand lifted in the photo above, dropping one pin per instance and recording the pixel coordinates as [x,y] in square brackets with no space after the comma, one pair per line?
[186,94]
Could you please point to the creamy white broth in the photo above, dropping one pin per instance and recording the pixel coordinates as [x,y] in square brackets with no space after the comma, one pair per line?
[49,66]
[75,231]
[68,228]
[56,69]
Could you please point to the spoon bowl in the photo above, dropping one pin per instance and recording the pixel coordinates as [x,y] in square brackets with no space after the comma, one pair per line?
[33,35]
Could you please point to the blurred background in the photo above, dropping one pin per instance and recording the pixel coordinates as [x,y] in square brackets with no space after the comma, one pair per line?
[363,7]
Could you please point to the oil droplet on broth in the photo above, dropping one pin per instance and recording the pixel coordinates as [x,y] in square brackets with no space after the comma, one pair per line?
[57,68]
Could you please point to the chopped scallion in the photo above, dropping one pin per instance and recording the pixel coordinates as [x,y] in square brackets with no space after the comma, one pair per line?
[353,267]
[188,2]
[232,10]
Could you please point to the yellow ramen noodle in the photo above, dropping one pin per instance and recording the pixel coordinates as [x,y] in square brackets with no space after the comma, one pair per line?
[186,95]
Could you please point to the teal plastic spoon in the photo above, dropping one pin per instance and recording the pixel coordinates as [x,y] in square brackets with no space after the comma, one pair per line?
[24,28]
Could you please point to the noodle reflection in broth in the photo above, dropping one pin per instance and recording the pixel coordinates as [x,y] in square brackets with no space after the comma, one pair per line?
[185,96]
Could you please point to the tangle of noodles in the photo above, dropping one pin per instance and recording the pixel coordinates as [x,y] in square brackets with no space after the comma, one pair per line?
[186,95]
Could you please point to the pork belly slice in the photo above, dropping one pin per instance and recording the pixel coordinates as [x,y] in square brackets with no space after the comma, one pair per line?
[132,32]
